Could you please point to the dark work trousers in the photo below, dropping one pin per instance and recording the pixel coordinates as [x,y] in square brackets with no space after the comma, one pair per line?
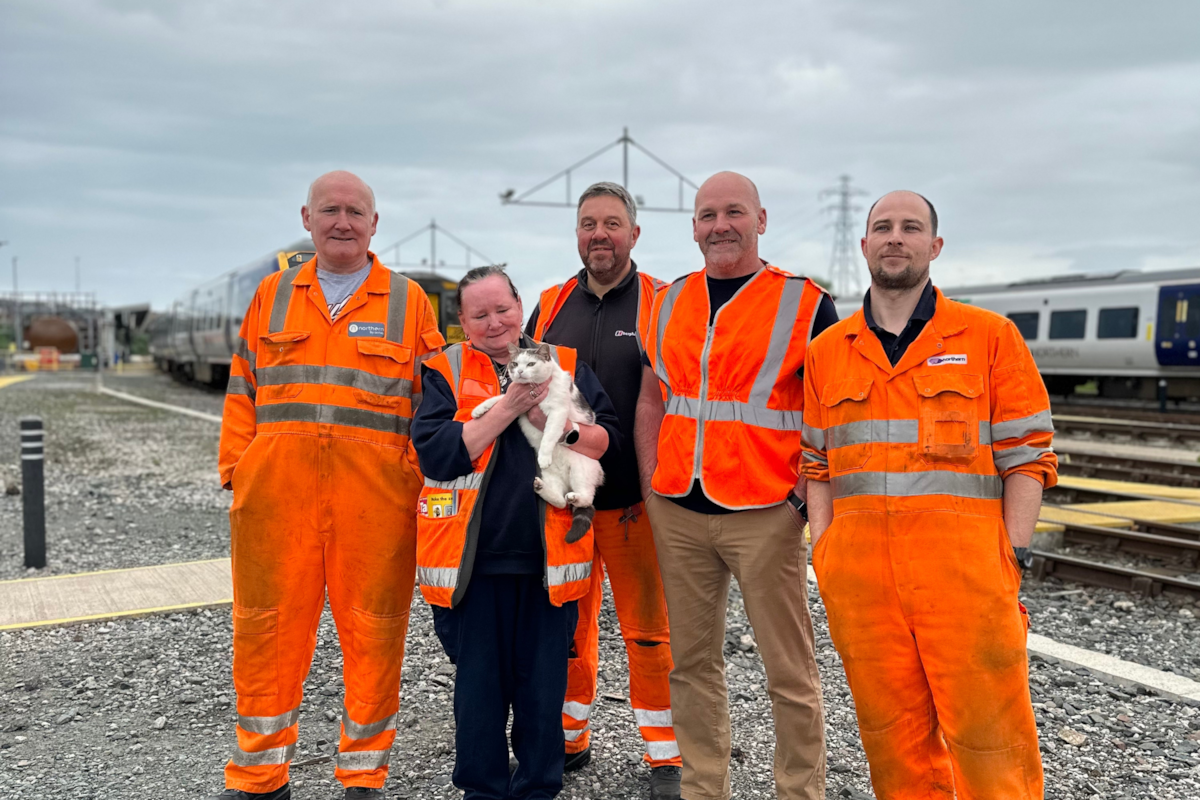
[511,647]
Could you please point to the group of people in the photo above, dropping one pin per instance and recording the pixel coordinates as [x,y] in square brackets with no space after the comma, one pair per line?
[730,408]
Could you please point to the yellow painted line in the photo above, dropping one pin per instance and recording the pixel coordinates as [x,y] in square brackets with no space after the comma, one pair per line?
[1153,510]
[1077,515]
[110,594]
[1147,489]
[9,381]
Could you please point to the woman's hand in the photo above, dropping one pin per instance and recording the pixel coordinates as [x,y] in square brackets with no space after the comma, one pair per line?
[523,398]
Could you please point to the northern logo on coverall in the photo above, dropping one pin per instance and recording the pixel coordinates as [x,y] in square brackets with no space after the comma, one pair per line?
[937,361]
[366,329]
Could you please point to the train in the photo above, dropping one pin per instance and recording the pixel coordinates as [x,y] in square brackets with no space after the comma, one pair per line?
[1120,335]
[195,339]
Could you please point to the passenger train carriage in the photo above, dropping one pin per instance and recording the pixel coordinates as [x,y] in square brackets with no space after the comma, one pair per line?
[1126,330]
[195,339]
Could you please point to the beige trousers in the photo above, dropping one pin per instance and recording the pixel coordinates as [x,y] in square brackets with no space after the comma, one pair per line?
[765,551]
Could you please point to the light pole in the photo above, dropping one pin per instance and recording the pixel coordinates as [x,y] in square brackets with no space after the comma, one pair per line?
[18,332]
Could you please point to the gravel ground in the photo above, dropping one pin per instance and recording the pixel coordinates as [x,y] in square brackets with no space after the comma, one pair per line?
[112,469]
[144,707]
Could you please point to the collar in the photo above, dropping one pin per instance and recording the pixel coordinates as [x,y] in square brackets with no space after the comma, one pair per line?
[924,311]
[623,286]
[378,282]
[947,319]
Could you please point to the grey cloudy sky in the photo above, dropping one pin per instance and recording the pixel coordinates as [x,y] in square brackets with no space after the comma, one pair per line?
[166,143]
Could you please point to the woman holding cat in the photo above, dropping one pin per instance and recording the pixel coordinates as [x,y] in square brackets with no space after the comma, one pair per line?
[493,560]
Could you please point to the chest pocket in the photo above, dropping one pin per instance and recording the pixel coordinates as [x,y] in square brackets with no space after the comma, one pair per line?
[850,435]
[279,364]
[949,416]
[384,375]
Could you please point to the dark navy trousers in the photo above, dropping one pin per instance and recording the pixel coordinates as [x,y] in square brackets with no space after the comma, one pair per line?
[511,647]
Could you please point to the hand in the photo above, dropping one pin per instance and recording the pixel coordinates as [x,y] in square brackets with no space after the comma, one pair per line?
[523,398]
[538,418]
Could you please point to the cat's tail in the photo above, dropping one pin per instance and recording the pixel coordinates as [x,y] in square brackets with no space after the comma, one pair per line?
[581,523]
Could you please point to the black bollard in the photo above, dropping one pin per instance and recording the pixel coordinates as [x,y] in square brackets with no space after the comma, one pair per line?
[33,490]
[1162,395]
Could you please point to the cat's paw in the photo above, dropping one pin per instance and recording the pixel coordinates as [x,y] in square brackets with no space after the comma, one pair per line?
[478,412]
[538,485]
[545,461]
[572,498]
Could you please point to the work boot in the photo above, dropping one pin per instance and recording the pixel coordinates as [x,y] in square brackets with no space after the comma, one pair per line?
[282,793]
[575,761]
[363,793]
[664,782]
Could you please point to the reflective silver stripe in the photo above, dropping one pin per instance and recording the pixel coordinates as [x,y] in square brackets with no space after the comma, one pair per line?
[576,710]
[438,577]
[568,573]
[335,376]
[652,719]
[239,385]
[283,296]
[886,431]
[356,731]
[276,755]
[664,316]
[472,480]
[1041,422]
[734,411]
[363,760]
[267,726]
[416,402]
[813,437]
[781,339]
[1016,456]
[397,307]
[334,415]
[243,350]
[819,459]
[455,356]
[915,484]
[421,359]
[661,751]
[572,735]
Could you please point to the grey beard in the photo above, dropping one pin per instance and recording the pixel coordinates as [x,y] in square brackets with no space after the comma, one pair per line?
[603,276]
[910,278]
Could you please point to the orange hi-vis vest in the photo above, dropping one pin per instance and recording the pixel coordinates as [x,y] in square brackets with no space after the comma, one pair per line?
[734,392]
[963,409]
[553,298]
[354,379]
[449,513]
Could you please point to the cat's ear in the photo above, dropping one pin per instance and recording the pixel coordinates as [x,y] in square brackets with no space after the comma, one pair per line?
[513,350]
[543,351]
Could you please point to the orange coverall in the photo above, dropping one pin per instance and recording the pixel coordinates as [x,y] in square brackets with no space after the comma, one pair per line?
[916,570]
[314,444]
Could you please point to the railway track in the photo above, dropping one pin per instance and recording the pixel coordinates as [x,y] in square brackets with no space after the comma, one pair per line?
[1120,467]
[1177,434]
[1095,573]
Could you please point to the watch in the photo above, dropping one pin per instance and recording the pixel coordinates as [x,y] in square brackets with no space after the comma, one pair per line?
[572,436]
[1024,557]
[798,504]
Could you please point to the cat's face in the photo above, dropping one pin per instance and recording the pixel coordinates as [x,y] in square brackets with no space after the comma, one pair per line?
[530,366]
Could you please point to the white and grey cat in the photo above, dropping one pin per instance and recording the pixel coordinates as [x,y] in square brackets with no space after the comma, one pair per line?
[568,477]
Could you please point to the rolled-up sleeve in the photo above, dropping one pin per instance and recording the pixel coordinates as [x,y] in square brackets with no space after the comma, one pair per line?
[436,435]
[1022,426]
[814,461]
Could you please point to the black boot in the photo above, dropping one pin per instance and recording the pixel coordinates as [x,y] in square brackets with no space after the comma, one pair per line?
[282,793]
[576,761]
[363,793]
[664,783]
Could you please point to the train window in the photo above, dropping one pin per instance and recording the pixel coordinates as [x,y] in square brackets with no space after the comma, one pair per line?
[1068,324]
[1117,323]
[1192,325]
[1026,322]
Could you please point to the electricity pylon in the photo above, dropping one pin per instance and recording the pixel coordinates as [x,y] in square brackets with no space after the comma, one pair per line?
[432,263]
[843,266]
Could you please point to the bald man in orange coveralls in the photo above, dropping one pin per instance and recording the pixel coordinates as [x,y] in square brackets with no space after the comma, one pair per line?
[926,439]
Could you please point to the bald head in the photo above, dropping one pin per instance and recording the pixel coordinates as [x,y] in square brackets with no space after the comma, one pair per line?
[340,215]
[342,179]
[900,196]
[729,219]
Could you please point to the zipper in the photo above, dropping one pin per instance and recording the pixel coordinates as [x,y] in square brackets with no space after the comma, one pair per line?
[698,457]
[598,319]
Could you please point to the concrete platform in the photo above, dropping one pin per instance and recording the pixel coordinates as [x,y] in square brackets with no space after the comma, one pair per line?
[1151,510]
[94,596]
[1145,489]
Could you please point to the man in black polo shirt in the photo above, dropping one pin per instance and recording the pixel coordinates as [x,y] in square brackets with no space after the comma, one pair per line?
[603,313]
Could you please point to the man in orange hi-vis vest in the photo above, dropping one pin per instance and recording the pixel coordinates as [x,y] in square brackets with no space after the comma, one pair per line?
[726,354]
[927,437]
[603,312]
[315,446]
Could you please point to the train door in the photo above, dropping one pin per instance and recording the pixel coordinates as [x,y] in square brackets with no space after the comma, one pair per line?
[1178,326]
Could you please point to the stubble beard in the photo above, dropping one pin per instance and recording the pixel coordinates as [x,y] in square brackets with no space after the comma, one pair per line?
[605,273]
[910,277]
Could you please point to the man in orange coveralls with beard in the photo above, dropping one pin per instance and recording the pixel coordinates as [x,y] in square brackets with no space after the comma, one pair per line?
[315,446]
[926,446]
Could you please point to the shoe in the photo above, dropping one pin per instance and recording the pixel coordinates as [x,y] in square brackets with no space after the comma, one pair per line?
[363,793]
[282,793]
[576,761]
[664,783]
